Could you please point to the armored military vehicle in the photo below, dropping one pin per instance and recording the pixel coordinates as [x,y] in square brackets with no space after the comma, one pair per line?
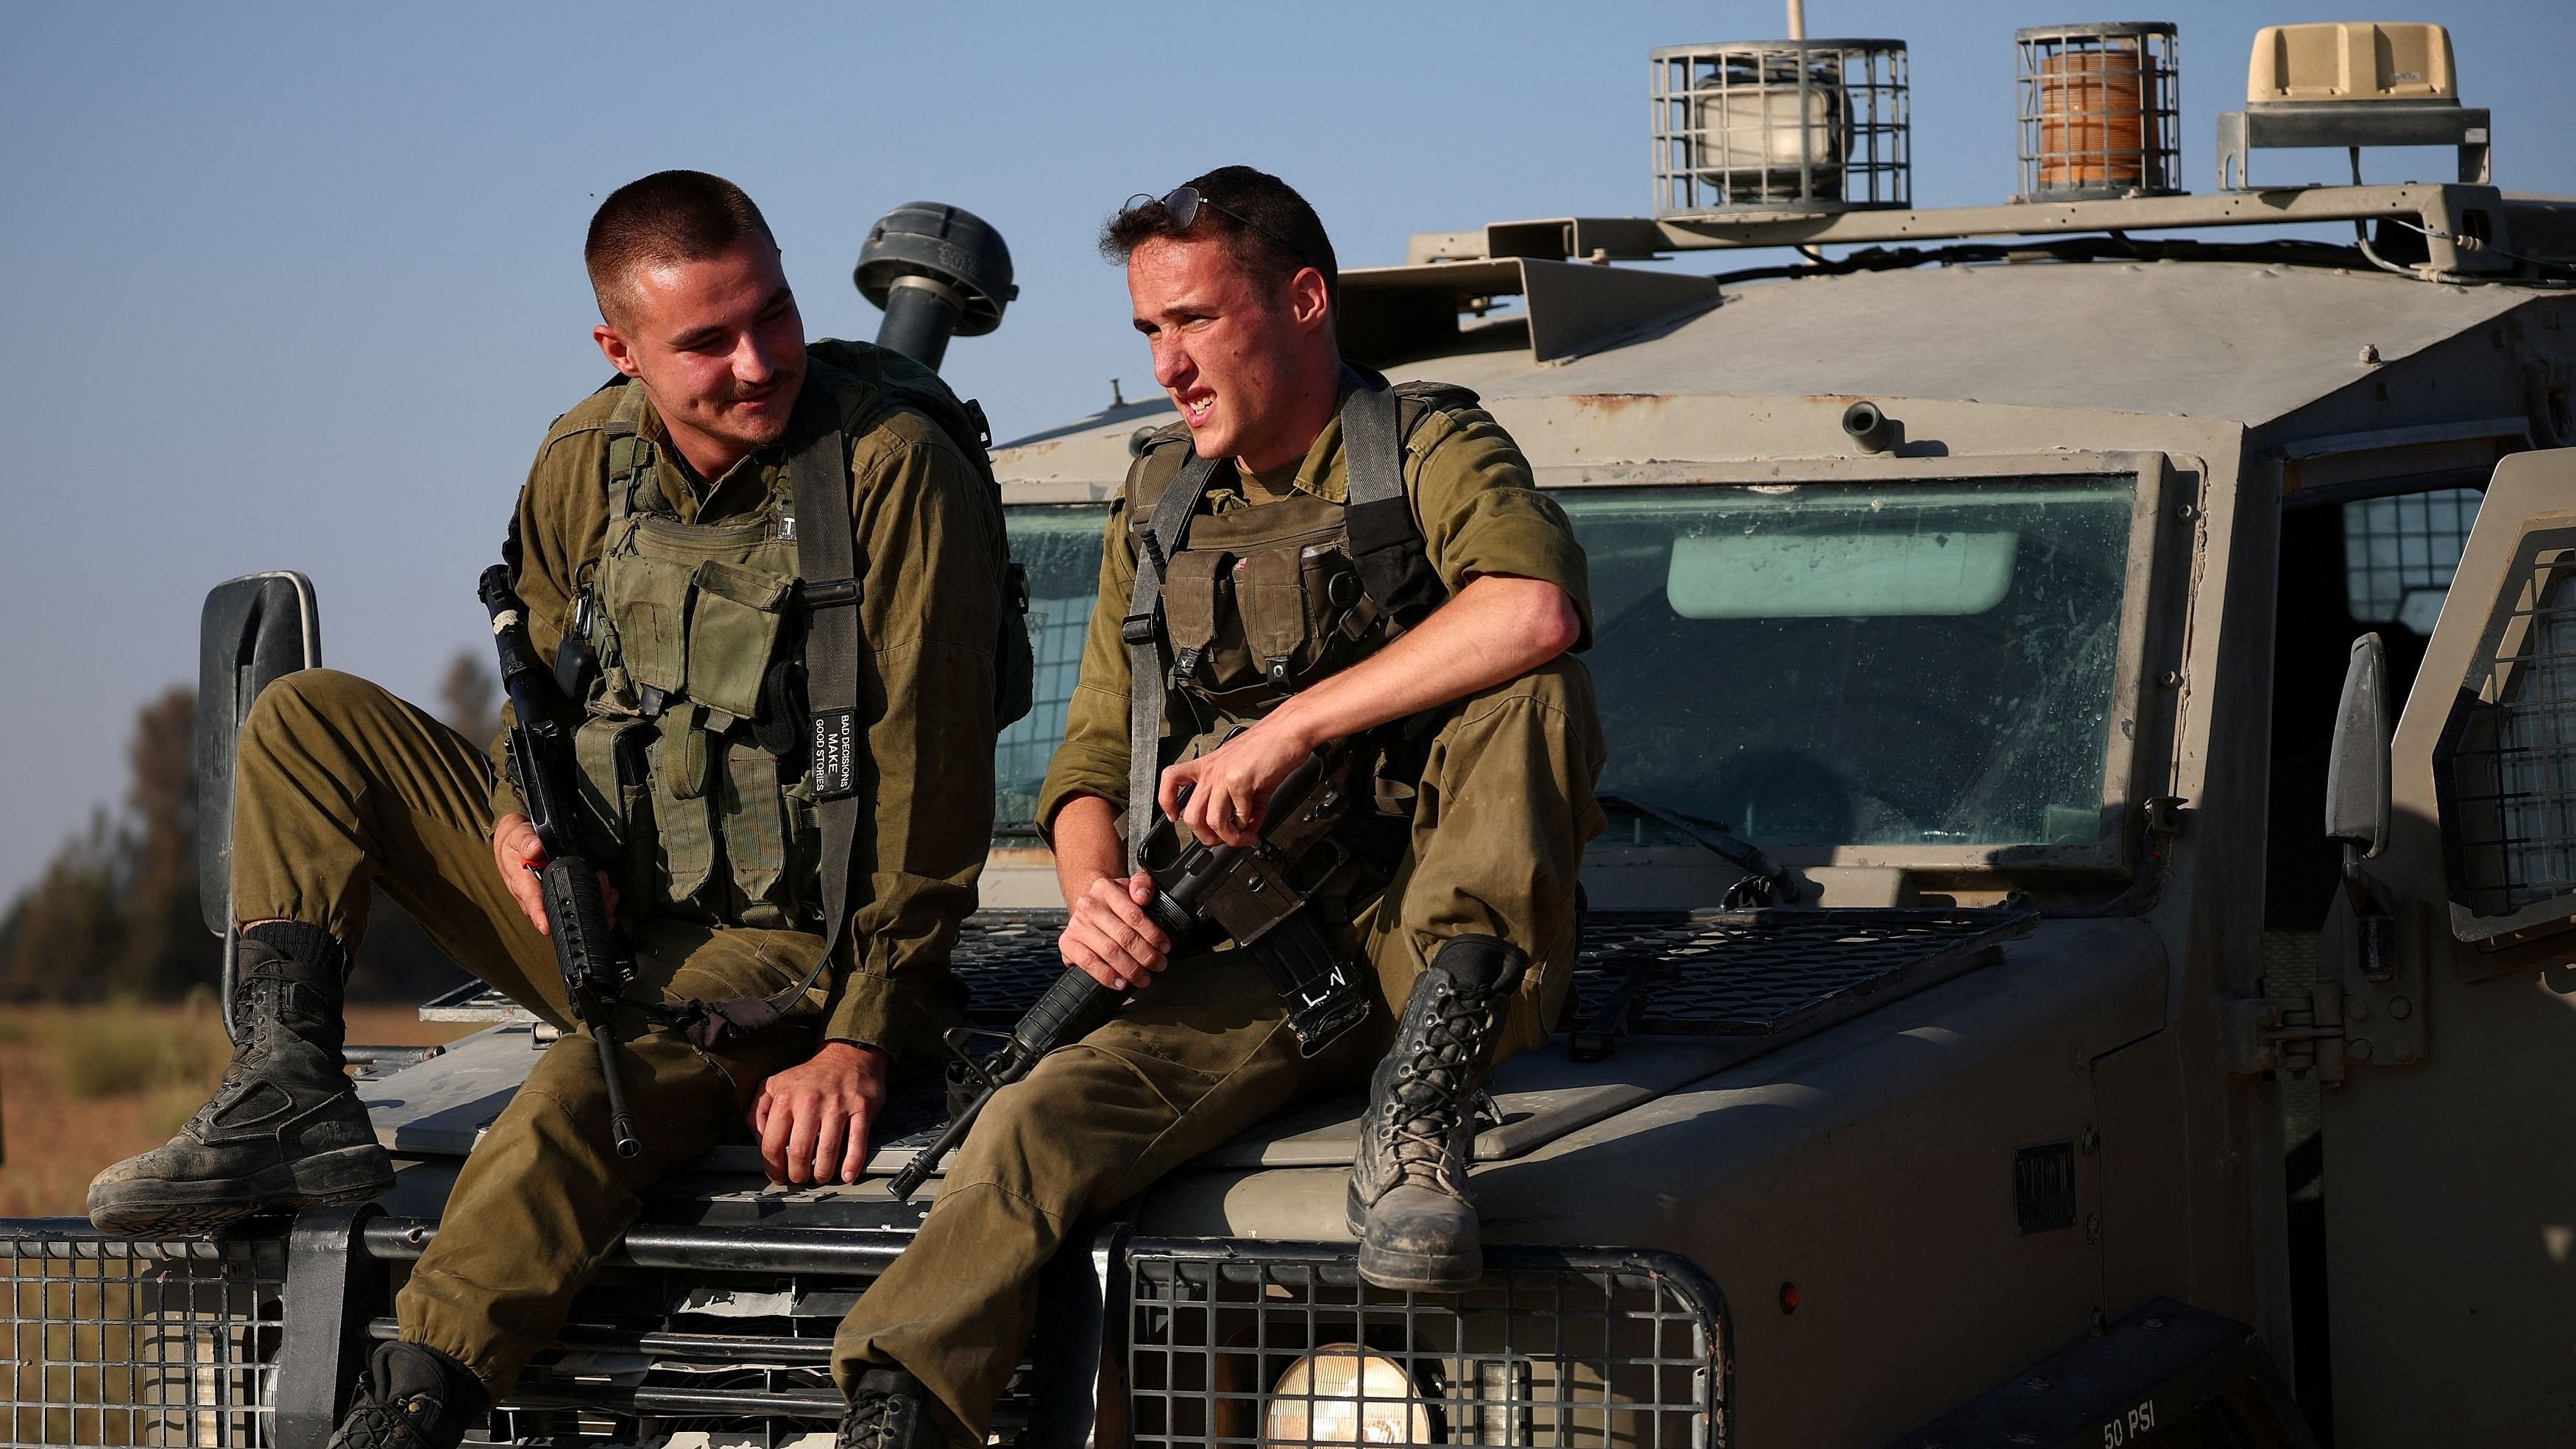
[2155,1045]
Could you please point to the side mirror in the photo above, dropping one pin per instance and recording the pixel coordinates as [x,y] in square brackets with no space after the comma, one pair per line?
[255,628]
[2357,770]
[2357,788]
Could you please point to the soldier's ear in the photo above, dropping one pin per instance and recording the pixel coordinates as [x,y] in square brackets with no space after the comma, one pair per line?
[1310,302]
[614,347]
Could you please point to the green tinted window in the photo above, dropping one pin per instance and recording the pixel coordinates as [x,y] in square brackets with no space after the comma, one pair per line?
[1847,664]
[1885,665]
[1060,547]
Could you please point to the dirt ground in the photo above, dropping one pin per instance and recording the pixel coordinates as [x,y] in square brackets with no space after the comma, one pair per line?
[147,1068]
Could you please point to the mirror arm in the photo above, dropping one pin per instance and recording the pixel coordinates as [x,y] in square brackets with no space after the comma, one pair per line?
[2374,915]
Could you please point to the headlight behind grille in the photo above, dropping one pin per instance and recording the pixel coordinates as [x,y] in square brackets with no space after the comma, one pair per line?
[1557,1346]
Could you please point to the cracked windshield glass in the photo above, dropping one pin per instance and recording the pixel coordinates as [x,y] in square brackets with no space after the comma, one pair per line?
[1880,664]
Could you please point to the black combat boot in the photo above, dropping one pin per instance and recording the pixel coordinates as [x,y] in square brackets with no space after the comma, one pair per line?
[285,1129]
[412,1398]
[889,1409]
[1408,1200]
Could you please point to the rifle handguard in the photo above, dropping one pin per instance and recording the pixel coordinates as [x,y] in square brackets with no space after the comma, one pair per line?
[1072,1008]
[577,918]
[568,884]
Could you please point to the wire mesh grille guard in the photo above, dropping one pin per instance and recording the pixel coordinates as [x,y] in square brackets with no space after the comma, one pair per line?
[1695,973]
[114,1341]
[1594,1347]
[1765,972]
[2507,760]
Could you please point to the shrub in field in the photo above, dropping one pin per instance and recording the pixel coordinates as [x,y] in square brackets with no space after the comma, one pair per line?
[136,1049]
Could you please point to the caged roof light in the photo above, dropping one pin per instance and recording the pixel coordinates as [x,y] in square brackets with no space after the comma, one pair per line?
[2100,111]
[1781,125]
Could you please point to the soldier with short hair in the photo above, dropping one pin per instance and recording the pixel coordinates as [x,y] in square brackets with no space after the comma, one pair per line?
[1325,560]
[659,528]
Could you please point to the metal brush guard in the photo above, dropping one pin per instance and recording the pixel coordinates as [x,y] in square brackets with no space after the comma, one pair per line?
[118,1341]
[1557,1346]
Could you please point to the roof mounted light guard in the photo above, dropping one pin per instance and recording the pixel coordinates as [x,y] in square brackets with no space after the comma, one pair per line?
[1578,300]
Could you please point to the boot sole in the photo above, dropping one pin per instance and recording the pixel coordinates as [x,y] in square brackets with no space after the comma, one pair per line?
[1415,1273]
[146,1208]
[1403,1272]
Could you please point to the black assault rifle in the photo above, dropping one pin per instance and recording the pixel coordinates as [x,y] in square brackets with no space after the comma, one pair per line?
[1254,895]
[595,972]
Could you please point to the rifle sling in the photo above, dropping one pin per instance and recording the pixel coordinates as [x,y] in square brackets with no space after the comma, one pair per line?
[818,476]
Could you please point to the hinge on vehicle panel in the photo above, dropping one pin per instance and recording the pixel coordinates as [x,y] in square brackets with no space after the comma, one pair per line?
[2297,1034]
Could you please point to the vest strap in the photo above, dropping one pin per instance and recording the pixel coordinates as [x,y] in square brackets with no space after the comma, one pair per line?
[630,453]
[1146,686]
[1386,547]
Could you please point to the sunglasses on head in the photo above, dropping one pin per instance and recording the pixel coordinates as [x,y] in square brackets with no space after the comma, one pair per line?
[1183,202]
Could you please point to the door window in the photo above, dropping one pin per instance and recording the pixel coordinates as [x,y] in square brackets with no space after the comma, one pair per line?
[2400,553]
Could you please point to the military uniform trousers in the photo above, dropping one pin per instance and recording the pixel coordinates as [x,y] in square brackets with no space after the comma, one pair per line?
[1496,843]
[340,784]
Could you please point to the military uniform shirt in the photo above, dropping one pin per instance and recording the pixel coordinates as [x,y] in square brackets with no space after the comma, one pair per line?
[1473,500]
[926,629]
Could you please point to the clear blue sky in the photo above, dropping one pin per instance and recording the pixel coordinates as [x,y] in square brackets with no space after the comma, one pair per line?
[299,285]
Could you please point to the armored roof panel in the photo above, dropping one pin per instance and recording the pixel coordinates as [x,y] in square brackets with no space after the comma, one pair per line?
[2225,341]
[2231,340]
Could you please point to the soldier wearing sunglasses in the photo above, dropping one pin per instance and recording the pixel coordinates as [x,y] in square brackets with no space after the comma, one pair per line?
[1306,556]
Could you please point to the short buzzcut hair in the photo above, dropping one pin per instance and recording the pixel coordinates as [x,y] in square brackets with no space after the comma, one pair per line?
[1269,229]
[669,216]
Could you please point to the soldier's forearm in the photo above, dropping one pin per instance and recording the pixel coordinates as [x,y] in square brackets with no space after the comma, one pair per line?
[1498,628]
[1086,845]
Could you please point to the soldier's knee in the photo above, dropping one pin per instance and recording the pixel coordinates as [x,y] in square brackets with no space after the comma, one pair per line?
[1550,707]
[292,702]
[1561,683]
[1056,1134]
[1008,1121]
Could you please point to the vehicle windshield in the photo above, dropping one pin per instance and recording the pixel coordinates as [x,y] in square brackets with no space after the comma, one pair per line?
[1881,664]
[1059,545]
[1825,664]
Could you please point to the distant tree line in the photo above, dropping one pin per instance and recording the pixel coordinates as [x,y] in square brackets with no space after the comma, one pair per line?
[114,914]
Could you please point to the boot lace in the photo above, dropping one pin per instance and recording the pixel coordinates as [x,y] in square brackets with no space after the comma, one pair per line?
[247,1053]
[1431,1089]
[878,1421]
[412,1422]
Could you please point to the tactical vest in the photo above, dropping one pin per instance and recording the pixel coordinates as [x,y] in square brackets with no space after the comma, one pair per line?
[1235,610]
[717,756]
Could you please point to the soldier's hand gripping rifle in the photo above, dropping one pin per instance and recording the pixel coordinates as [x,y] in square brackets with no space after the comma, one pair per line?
[1254,895]
[595,972]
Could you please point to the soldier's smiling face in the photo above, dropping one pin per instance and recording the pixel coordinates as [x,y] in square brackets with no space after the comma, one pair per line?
[719,347]
[1230,350]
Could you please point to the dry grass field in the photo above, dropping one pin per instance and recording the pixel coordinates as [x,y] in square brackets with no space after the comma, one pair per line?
[116,1350]
[82,1086]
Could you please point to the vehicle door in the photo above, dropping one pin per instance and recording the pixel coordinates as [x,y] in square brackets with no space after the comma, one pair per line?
[2450,956]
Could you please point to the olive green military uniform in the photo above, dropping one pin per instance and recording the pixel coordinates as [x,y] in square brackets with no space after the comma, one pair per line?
[1502,808]
[340,784]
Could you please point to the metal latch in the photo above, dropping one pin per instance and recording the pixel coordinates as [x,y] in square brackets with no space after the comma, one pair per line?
[2295,1034]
